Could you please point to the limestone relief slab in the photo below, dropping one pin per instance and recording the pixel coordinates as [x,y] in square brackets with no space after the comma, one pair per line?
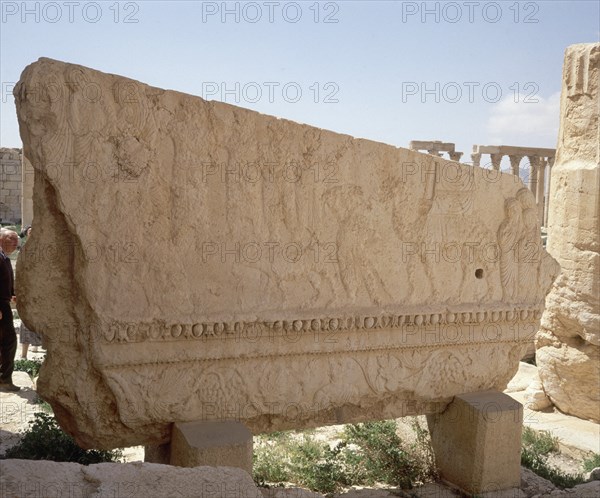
[192,259]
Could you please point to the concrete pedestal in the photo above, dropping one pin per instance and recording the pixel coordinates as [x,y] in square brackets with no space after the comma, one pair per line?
[477,442]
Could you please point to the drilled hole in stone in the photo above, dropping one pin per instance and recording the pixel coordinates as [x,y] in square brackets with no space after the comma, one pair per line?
[479,273]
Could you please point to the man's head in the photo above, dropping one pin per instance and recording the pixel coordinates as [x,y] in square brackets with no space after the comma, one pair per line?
[9,240]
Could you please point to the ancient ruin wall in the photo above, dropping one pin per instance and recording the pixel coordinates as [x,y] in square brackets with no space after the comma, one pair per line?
[10,185]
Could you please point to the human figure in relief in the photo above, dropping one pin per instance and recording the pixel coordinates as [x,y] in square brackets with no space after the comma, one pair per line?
[509,234]
[529,247]
[528,254]
[356,243]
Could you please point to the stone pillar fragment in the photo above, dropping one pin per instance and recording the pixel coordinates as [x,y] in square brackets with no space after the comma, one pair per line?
[496,160]
[455,156]
[477,441]
[541,184]
[212,443]
[548,190]
[534,163]
[568,343]
[476,158]
[514,164]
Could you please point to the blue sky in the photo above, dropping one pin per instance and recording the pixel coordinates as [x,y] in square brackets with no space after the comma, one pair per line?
[465,72]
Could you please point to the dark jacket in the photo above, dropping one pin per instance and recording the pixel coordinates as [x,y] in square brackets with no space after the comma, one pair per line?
[7,278]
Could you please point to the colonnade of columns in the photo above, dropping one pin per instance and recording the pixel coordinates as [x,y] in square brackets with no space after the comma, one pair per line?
[540,159]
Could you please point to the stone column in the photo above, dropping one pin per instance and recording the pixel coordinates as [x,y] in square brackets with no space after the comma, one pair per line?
[541,188]
[476,158]
[514,164]
[455,156]
[496,160]
[434,153]
[533,169]
[477,442]
[568,342]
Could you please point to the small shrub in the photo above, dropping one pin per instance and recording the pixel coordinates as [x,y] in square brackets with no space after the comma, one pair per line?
[367,454]
[32,367]
[538,464]
[541,442]
[387,458]
[43,405]
[270,461]
[45,440]
[318,467]
[425,451]
[591,463]
[536,446]
[299,459]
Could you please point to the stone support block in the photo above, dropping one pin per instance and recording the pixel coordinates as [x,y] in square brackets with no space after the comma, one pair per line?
[158,453]
[225,444]
[477,441]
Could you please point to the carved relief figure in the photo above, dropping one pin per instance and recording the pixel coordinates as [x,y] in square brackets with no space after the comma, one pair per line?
[529,247]
[409,230]
[509,234]
[356,241]
[449,198]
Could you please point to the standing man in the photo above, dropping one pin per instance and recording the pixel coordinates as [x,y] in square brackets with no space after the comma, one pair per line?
[9,241]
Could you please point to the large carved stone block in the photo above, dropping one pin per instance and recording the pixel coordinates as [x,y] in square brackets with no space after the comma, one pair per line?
[193,260]
[568,345]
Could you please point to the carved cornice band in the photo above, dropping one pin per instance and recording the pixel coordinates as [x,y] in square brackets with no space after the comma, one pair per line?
[142,332]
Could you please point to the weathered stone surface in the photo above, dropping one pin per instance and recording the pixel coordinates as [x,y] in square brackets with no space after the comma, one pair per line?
[477,442]
[26,192]
[225,264]
[296,493]
[593,475]
[585,490]
[535,396]
[533,485]
[522,378]
[19,478]
[568,344]
[214,443]
[10,185]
